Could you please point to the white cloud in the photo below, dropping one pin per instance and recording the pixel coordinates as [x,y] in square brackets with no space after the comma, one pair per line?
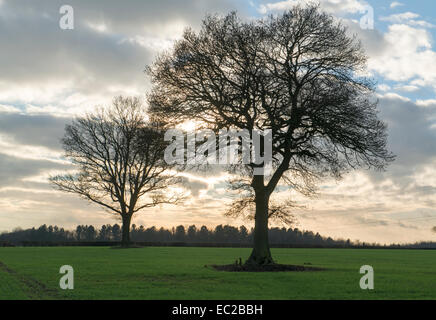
[400,17]
[407,88]
[396,4]
[426,103]
[407,55]
[392,95]
[332,6]
[8,109]
[383,87]
[99,27]
[10,148]
[421,23]
[277,6]
[408,18]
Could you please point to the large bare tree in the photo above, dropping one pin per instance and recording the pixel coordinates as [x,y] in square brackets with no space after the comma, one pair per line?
[296,74]
[118,154]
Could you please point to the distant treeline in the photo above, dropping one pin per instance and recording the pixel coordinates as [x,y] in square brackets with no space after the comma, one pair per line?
[221,234]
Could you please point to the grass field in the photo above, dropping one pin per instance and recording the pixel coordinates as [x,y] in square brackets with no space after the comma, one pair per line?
[180,273]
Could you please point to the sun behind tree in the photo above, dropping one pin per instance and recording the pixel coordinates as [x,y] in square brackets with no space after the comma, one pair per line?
[295,74]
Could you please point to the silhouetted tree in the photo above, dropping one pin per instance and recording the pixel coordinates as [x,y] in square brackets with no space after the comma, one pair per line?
[105,232]
[90,233]
[119,156]
[164,234]
[192,233]
[203,234]
[295,74]
[180,233]
[116,232]
[243,232]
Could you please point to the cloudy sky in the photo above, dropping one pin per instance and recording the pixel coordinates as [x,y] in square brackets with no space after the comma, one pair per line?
[48,75]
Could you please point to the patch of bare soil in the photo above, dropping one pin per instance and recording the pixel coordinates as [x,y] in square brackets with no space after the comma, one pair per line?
[274,267]
[133,246]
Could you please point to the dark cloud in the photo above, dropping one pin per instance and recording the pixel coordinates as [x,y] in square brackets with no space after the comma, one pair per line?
[88,59]
[131,16]
[13,170]
[193,185]
[411,138]
[40,130]
[411,135]
[372,39]
[43,52]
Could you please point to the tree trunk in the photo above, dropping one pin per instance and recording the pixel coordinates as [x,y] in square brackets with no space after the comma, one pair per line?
[261,254]
[125,241]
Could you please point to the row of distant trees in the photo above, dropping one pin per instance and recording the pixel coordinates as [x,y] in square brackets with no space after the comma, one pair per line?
[219,234]
[191,234]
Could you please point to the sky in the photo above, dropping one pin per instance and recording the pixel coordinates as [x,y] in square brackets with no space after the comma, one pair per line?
[49,75]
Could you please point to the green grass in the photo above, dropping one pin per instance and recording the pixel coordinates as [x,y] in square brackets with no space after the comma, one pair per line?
[179,273]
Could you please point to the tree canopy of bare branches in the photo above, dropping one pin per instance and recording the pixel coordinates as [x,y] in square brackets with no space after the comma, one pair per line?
[296,74]
[119,159]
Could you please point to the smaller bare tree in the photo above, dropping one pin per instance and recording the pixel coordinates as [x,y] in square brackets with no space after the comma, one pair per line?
[119,156]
